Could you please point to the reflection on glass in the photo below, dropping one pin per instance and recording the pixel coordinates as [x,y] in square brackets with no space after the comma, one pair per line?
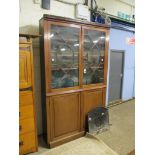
[64,56]
[94,45]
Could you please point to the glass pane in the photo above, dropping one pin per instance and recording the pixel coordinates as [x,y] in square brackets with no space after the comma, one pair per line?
[64,56]
[94,46]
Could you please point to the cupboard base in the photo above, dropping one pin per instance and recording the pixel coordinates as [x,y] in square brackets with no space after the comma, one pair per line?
[69,138]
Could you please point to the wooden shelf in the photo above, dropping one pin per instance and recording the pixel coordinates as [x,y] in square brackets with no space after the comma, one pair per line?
[54,69]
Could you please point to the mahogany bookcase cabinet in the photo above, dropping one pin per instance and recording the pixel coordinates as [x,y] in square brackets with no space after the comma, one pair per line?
[74,58]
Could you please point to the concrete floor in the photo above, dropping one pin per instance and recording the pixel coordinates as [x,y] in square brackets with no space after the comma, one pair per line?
[121,136]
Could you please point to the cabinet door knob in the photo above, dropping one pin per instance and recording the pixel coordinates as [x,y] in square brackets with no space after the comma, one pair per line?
[21,143]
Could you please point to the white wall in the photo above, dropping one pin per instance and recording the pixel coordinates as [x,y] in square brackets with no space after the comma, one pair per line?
[29,16]
[113,6]
[30,13]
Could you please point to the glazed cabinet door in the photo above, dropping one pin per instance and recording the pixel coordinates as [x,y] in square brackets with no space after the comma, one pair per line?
[93,55]
[24,67]
[63,55]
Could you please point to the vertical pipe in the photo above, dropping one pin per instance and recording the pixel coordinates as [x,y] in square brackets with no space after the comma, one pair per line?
[91,4]
[86,2]
[91,9]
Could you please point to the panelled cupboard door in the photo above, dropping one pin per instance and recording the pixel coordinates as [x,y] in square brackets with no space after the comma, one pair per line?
[65,114]
[93,55]
[92,99]
[64,49]
[24,69]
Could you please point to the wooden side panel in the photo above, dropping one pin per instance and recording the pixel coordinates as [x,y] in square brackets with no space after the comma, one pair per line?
[27,143]
[26,111]
[92,99]
[25,98]
[26,125]
[24,69]
[27,118]
[132,153]
[65,114]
